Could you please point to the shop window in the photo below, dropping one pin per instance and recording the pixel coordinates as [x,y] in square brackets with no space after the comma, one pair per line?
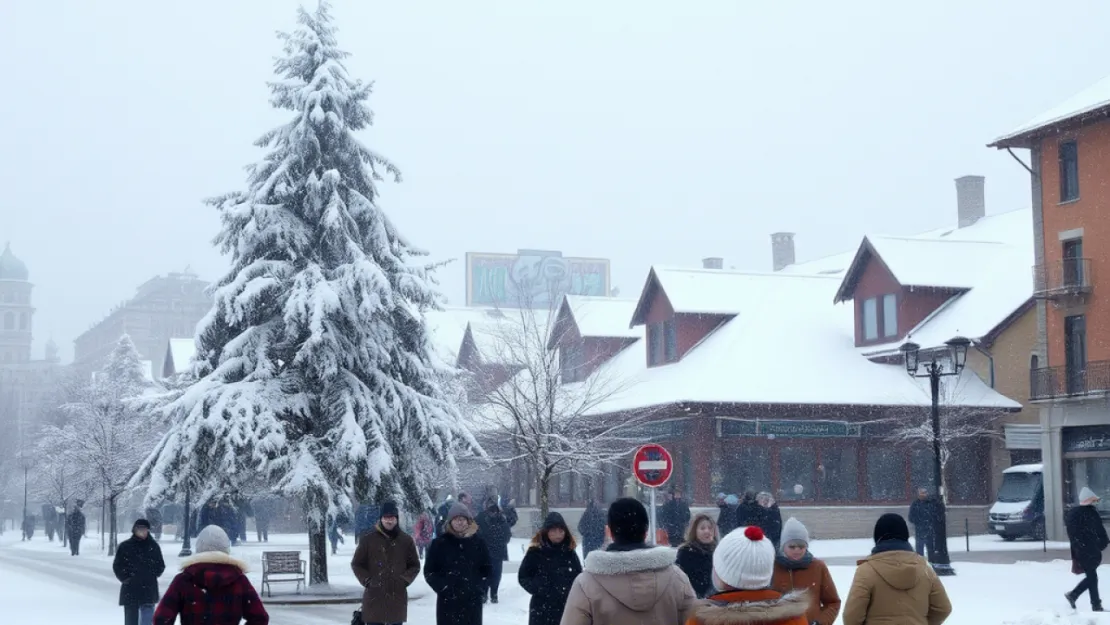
[796,467]
[967,473]
[837,473]
[745,468]
[688,475]
[886,474]
[922,471]
[1094,473]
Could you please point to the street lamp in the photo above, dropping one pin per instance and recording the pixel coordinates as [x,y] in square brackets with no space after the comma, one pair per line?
[934,370]
[186,546]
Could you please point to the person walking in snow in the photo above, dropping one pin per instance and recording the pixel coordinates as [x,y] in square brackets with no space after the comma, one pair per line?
[675,517]
[137,565]
[335,536]
[727,513]
[28,526]
[894,585]
[1088,539]
[742,568]
[423,532]
[770,518]
[695,556]
[748,511]
[548,570]
[386,564]
[922,513]
[442,515]
[456,568]
[75,527]
[212,587]
[630,583]
[591,527]
[797,570]
[497,532]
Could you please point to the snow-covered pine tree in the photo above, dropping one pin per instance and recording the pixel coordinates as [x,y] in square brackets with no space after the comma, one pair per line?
[314,366]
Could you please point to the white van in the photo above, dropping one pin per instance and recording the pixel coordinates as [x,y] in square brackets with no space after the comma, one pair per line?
[1019,508]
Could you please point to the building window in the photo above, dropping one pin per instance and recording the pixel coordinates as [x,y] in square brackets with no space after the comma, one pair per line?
[1075,353]
[670,340]
[837,474]
[655,343]
[23,321]
[796,466]
[870,319]
[890,315]
[572,362]
[922,469]
[9,298]
[1073,263]
[9,321]
[886,474]
[1069,172]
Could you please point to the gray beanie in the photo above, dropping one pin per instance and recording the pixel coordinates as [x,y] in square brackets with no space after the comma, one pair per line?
[213,538]
[793,531]
[458,509]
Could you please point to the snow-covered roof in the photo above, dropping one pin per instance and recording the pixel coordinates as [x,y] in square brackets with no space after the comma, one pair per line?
[603,317]
[1093,100]
[180,355]
[691,291]
[834,265]
[148,370]
[501,333]
[1025,468]
[787,344]
[448,326]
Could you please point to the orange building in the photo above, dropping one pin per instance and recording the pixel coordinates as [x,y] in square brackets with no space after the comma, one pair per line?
[1069,157]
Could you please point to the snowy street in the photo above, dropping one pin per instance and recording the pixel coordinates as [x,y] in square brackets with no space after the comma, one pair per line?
[83,589]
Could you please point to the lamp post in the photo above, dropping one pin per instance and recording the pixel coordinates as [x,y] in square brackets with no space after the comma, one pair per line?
[186,545]
[934,370]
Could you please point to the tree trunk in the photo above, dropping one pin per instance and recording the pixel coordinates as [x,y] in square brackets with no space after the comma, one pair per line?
[317,555]
[112,526]
[545,493]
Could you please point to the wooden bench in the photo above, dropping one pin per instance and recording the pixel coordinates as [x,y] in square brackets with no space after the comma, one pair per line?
[287,565]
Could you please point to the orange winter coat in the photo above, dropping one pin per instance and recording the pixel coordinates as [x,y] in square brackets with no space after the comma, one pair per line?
[752,607]
[824,602]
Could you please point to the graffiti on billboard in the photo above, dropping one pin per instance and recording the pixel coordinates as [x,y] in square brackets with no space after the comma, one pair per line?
[537,279]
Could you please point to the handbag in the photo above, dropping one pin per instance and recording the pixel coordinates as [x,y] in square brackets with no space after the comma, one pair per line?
[356,618]
[1075,568]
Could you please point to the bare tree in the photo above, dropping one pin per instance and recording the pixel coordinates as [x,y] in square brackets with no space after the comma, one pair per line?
[958,425]
[105,436]
[547,414]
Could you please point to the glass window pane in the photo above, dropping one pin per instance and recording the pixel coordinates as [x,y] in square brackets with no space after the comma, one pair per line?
[890,315]
[796,466]
[670,340]
[921,461]
[837,474]
[886,474]
[1093,473]
[743,467]
[967,472]
[871,319]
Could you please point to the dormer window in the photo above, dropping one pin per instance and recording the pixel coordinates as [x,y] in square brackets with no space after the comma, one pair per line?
[662,342]
[880,314]
[870,319]
[890,315]
[572,361]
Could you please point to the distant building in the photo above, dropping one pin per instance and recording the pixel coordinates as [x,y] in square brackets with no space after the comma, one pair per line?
[25,383]
[164,308]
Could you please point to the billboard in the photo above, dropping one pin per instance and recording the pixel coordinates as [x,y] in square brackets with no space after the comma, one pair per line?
[533,278]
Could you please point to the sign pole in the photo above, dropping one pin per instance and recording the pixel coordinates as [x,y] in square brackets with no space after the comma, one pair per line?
[652,465]
[651,515]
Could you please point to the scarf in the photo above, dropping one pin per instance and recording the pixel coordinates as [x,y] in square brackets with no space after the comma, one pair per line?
[391,533]
[697,545]
[794,565]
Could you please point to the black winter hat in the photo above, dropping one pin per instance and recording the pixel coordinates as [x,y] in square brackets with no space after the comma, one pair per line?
[891,526]
[140,523]
[389,508]
[628,521]
[554,519]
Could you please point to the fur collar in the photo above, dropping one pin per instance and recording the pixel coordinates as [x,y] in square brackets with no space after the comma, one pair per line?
[789,606]
[621,562]
[214,557]
[470,530]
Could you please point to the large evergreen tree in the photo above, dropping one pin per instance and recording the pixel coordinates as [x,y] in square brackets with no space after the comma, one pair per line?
[314,367]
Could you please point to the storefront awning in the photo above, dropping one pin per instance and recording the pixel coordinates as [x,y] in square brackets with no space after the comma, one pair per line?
[1022,436]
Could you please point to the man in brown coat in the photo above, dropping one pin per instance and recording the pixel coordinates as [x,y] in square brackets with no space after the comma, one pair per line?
[385,563]
[895,586]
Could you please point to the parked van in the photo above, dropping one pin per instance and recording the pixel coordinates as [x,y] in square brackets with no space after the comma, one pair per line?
[1019,508]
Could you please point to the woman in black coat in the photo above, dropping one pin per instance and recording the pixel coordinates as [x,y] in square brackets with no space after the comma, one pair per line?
[497,532]
[456,567]
[1088,538]
[591,527]
[137,566]
[771,518]
[548,570]
[695,556]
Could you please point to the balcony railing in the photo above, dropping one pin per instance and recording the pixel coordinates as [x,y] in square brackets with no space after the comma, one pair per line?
[1054,382]
[1070,276]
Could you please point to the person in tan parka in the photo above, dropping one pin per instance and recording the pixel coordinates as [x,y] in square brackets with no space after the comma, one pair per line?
[894,585]
[630,582]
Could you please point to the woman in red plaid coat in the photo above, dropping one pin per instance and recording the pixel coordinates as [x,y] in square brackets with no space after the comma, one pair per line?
[211,588]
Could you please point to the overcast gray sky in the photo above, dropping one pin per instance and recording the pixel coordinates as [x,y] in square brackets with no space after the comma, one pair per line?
[644,131]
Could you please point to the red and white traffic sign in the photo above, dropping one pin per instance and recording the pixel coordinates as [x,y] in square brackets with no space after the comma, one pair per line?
[652,465]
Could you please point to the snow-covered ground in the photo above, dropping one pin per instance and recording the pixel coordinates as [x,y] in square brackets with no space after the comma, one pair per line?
[40,581]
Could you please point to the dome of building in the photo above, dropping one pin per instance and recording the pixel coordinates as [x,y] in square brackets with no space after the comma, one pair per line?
[11,268]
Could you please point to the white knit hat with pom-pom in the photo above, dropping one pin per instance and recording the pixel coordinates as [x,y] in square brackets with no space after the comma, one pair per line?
[745,559]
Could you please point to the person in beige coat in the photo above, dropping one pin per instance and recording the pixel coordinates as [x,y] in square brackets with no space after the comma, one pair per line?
[630,582]
[894,585]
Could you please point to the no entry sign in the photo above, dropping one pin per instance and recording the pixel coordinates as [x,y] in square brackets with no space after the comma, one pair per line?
[652,465]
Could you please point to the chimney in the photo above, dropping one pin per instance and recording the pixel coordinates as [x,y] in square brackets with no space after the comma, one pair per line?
[971,200]
[782,250]
[713,262]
